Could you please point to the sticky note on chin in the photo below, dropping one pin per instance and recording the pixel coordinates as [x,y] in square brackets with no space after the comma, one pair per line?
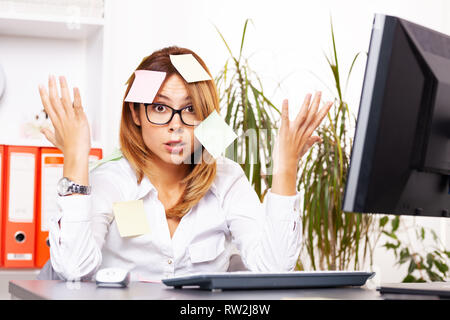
[189,68]
[130,218]
[214,134]
[145,86]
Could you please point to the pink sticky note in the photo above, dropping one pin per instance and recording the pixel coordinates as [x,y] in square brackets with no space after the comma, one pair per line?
[145,86]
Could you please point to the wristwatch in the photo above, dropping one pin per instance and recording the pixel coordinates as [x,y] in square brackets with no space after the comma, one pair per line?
[67,187]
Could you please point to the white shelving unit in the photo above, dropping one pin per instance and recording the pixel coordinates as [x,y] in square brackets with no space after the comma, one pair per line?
[32,47]
[49,27]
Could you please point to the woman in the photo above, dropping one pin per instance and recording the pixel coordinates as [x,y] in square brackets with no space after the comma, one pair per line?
[197,211]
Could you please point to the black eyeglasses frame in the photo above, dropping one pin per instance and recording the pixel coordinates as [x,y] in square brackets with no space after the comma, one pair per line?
[174,111]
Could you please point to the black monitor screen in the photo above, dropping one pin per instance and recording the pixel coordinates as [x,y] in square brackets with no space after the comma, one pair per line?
[400,160]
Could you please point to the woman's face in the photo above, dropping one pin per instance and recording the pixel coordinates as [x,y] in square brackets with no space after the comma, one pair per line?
[158,137]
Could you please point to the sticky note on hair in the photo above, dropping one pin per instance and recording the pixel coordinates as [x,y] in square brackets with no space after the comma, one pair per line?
[214,134]
[189,68]
[130,218]
[145,86]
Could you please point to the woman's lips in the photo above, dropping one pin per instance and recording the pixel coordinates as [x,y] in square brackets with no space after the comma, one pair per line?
[174,147]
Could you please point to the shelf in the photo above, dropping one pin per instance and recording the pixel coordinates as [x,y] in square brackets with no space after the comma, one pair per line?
[50,40]
[37,143]
[27,25]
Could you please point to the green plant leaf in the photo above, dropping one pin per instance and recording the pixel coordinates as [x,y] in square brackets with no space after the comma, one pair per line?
[390,234]
[430,260]
[390,245]
[383,221]
[350,71]
[412,266]
[410,278]
[243,37]
[442,267]
[224,41]
[395,223]
[434,276]
[404,255]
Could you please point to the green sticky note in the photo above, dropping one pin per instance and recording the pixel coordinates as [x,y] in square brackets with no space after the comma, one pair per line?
[114,156]
[130,218]
[214,134]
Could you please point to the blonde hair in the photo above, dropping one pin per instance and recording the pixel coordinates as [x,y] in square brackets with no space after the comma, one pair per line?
[205,100]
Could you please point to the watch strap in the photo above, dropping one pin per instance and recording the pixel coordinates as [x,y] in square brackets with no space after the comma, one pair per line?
[76,188]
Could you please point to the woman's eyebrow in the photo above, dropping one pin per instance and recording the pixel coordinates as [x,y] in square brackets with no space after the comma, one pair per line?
[188,98]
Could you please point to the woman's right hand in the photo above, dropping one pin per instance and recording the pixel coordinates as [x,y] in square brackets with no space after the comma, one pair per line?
[72,133]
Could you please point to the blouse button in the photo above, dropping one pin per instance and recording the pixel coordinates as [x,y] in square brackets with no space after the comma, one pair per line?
[169,261]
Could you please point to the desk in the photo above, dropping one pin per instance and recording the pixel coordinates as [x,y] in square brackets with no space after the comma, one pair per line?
[60,290]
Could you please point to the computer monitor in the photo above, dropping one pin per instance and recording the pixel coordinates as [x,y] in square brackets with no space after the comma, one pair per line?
[400,159]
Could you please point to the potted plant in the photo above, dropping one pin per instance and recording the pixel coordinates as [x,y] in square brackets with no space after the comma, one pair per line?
[251,114]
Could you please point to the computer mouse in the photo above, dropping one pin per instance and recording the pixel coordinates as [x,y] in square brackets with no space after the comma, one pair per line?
[112,277]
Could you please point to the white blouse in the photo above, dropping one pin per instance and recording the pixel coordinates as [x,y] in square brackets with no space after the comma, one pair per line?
[229,216]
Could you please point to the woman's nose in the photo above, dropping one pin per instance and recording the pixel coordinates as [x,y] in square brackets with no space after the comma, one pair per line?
[176,123]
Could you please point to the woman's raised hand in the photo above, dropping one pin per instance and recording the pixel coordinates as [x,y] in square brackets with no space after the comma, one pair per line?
[294,140]
[72,133]
[295,137]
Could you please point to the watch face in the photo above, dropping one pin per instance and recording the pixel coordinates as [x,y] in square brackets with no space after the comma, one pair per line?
[63,186]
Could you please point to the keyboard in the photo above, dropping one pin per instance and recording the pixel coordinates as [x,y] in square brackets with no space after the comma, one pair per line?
[242,280]
[421,290]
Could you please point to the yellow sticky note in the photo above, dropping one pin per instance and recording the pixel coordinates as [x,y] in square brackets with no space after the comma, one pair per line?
[189,68]
[130,218]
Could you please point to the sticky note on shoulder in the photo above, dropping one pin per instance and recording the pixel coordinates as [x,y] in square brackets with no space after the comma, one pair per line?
[114,156]
[214,134]
[189,68]
[145,86]
[130,218]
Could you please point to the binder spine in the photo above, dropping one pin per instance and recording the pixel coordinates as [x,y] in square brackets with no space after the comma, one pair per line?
[19,206]
[2,181]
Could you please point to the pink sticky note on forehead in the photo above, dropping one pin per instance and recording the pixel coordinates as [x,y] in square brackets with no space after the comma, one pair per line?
[145,86]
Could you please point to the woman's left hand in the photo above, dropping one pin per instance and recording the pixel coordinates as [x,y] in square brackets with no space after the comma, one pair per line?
[295,137]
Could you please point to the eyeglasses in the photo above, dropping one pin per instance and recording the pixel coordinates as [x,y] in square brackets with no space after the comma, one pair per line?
[158,113]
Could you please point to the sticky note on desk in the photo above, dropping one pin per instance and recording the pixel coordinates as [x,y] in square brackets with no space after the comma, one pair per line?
[189,68]
[214,134]
[130,218]
[145,86]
